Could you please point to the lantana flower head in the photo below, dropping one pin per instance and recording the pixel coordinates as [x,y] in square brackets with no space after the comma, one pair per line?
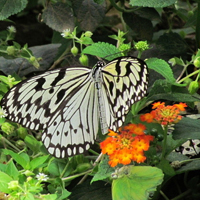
[164,115]
[126,146]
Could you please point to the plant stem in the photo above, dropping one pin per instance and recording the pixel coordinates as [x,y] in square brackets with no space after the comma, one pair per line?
[163,195]
[198,26]
[192,74]
[9,143]
[164,142]
[77,175]
[113,3]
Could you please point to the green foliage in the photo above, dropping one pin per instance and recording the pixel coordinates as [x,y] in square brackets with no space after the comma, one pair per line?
[6,10]
[152,3]
[126,186]
[161,67]
[103,50]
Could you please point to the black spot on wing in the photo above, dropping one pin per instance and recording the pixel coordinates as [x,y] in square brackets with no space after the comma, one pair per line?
[111,86]
[51,90]
[47,109]
[40,82]
[128,68]
[60,95]
[60,76]
[118,67]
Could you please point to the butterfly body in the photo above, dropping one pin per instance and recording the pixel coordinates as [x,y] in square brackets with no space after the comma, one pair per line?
[68,103]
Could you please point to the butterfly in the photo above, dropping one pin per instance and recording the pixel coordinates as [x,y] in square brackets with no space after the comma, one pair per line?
[69,104]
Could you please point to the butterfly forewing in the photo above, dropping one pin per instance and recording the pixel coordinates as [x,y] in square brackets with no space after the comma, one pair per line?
[125,82]
[62,103]
[67,103]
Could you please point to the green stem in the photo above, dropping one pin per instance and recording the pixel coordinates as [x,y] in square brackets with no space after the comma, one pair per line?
[139,54]
[9,143]
[163,195]
[192,74]
[64,170]
[77,175]
[113,3]
[164,142]
[198,25]
[197,78]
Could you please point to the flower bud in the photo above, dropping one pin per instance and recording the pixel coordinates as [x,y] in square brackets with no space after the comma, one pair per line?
[83,167]
[28,173]
[22,132]
[124,47]
[190,13]
[29,178]
[88,33]
[7,128]
[83,60]
[34,62]
[141,46]
[74,50]
[13,185]
[197,62]
[193,87]
[187,81]
[10,50]
[20,144]
[154,132]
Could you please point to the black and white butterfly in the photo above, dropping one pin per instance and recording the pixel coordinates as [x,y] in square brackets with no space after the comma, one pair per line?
[68,104]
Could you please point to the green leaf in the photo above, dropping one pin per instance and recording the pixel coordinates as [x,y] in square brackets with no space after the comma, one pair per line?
[104,171]
[187,128]
[136,183]
[173,144]
[55,16]
[171,44]
[162,89]
[64,195]
[142,26]
[11,7]
[11,170]
[32,143]
[166,168]
[3,87]
[152,3]
[50,197]
[177,61]
[191,166]
[57,166]
[3,167]
[89,14]
[102,50]
[176,156]
[87,40]
[18,158]
[37,162]
[29,196]
[4,180]
[162,67]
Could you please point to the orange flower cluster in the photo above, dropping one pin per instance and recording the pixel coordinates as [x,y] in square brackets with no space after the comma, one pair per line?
[164,115]
[127,146]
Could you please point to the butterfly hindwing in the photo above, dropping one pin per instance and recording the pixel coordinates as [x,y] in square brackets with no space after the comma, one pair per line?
[74,129]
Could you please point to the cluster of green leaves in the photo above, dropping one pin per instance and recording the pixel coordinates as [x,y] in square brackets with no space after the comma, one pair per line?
[23,157]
